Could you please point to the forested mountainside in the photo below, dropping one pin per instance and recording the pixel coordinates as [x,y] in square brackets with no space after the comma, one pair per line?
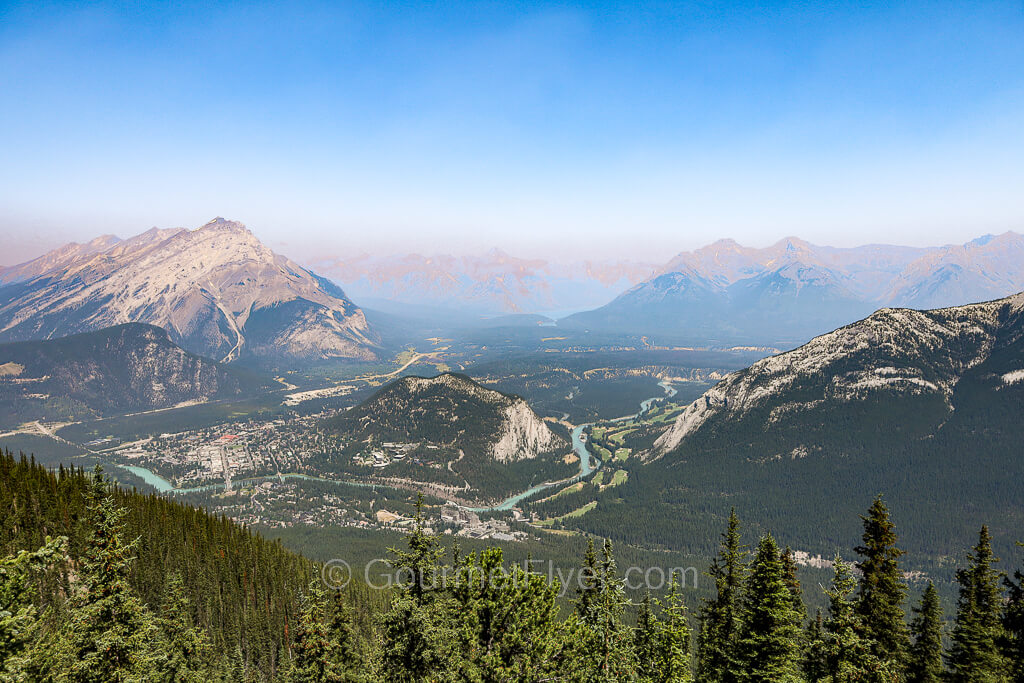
[239,589]
[492,441]
[126,368]
[924,406]
[217,290]
[193,598]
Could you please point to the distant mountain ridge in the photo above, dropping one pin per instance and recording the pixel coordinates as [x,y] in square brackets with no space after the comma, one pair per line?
[126,368]
[491,283]
[793,290]
[217,290]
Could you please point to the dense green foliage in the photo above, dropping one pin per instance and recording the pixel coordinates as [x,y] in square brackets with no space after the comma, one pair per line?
[135,588]
[242,590]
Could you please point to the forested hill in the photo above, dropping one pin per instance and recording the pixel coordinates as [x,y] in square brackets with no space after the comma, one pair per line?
[125,368]
[240,590]
[925,407]
[451,409]
[450,429]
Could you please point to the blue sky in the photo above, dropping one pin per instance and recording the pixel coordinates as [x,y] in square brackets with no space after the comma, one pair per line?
[634,130]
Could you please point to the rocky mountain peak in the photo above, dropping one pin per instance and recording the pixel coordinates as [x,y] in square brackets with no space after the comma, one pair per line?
[893,350]
[209,287]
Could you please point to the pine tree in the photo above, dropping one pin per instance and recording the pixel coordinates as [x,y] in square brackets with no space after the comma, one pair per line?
[769,643]
[925,662]
[975,655]
[717,660]
[109,634]
[419,634]
[1013,626]
[673,655]
[605,647]
[18,614]
[508,620]
[847,653]
[185,647]
[882,590]
[815,664]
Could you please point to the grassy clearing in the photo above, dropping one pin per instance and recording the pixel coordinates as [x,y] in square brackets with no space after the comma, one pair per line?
[619,477]
[618,438]
[571,488]
[578,512]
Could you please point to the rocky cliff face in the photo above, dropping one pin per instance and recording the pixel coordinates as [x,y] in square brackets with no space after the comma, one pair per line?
[897,352]
[217,290]
[127,368]
[452,409]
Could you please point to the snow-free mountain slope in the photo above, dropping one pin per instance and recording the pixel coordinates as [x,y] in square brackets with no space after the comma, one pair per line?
[986,268]
[901,352]
[453,409]
[127,368]
[217,290]
[923,407]
[449,431]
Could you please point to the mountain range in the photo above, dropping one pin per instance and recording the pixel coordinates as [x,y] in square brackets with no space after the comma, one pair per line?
[217,291]
[922,405]
[221,293]
[492,283]
[126,368]
[793,290]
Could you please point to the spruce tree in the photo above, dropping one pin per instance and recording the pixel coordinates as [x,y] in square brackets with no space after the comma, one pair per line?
[925,661]
[1013,626]
[769,642]
[717,660]
[605,648]
[343,648]
[19,620]
[975,655]
[645,640]
[419,634]
[815,664]
[882,590]
[185,647]
[673,653]
[847,652]
[311,649]
[789,570]
[109,634]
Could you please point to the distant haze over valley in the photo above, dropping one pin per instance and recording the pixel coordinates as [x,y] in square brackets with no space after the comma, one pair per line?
[723,293]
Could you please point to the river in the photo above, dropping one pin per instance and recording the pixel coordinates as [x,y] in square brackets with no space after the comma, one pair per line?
[579,446]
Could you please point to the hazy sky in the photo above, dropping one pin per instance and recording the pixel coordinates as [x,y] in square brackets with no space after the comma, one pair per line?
[633,129]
